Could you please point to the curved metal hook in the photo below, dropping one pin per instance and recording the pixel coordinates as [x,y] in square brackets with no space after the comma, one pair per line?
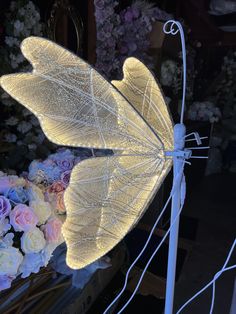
[173,31]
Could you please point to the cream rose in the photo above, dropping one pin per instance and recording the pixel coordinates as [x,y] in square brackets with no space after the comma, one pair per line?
[33,241]
[34,193]
[42,210]
[10,260]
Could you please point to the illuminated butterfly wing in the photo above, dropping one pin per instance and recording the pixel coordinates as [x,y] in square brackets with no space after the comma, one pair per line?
[78,107]
[142,91]
[105,199]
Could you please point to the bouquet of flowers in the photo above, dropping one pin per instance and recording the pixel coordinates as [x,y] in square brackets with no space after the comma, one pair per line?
[29,229]
[204,111]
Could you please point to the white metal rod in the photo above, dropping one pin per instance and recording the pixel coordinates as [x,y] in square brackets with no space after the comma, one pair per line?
[179,134]
[201,147]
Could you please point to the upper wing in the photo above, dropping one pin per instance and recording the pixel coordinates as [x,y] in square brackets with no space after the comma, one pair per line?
[76,106]
[105,198]
[142,91]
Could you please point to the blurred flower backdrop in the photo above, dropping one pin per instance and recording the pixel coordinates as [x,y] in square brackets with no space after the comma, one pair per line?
[21,137]
[124,33]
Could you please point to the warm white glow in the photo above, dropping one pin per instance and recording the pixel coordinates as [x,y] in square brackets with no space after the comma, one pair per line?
[76,106]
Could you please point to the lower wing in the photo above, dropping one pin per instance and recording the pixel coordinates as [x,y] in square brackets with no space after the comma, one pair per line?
[105,199]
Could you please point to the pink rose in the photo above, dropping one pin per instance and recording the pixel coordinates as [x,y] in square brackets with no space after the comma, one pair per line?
[5,207]
[56,187]
[23,218]
[5,281]
[65,177]
[60,205]
[52,230]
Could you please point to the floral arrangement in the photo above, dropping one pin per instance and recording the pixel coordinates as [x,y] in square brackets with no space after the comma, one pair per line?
[169,71]
[204,111]
[21,134]
[29,229]
[52,175]
[123,34]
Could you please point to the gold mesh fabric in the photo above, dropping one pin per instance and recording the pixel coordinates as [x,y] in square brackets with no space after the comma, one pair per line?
[76,106]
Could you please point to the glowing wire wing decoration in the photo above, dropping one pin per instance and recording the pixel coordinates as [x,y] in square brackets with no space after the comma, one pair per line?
[76,106]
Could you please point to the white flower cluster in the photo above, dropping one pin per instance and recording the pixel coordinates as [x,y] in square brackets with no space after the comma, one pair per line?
[171,76]
[21,127]
[26,23]
[168,72]
[229,68]
[204,111]
[25,215]
[229,64]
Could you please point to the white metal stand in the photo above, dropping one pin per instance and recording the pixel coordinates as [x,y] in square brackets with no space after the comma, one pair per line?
[179,142]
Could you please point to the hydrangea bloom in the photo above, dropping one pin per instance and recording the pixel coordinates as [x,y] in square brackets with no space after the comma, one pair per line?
[123,34]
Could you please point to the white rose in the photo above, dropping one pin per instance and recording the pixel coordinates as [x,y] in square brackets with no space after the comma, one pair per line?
[32,241]
[8,239]
[35,193]
[31,264]
[168,69]
[19,25]
[42,210]
[4,226]
[10,260]
[47,252]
